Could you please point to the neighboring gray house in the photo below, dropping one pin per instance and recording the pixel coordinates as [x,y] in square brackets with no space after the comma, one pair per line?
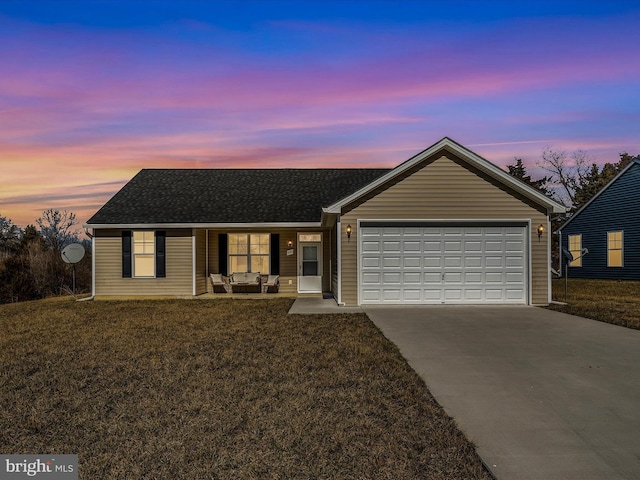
[608,226]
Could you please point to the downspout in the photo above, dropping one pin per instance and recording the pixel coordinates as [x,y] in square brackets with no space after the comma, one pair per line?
[193,260]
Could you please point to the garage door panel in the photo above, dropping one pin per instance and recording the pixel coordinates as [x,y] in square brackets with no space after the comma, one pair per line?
[435,277]
[432,262]
[514,295]
[479,264]
[494,294]
[472,277]
[411,262]
[412,295]
[493,277]
[514,262]
[390,262]
[370,262]
[391,278]
[412,246]
[371,246]
[389,295]
[494,262]
[514,277]
[433,295]
[412,278]
[370,295]
[493,246]
[391,246]
[453,277]
[473,247]
[475,295]
[473,262]
[371,278]
[452,262]
[453,295]
[432,246]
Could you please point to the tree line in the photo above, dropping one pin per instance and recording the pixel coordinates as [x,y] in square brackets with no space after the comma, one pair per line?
[31,265]
[572,178]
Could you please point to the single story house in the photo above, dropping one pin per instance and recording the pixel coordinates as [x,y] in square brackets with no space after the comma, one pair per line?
[608,226]
[444,227]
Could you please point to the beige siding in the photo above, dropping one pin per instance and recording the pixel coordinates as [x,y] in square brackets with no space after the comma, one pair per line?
[201,262]
[444,189]
[108,270]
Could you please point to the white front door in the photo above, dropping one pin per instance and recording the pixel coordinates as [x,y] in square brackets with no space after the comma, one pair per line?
[310,267]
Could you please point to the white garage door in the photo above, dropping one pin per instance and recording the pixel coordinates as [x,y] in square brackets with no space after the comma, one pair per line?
[449,264]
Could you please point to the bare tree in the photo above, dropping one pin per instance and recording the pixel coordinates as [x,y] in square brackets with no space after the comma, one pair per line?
[567,171]
[57,228]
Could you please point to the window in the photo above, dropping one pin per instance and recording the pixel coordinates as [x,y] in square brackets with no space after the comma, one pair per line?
[614,249]
[575,247]
[249,252]
[144,254]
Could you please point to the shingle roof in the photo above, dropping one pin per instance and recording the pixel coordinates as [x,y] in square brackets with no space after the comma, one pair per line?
[230,195]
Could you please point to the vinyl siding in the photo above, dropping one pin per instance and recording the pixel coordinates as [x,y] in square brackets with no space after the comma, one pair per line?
[201,262]
[615,209]
[445,189]
[108,269]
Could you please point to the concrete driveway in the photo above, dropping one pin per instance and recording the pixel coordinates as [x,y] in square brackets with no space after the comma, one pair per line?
[543,395]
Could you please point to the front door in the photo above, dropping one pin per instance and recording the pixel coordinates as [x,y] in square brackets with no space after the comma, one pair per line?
[309,265]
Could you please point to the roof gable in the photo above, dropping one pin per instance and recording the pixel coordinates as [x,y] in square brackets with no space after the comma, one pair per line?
[634,166]
[466,155]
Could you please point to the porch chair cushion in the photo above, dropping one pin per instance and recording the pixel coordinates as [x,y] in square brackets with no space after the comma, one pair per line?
[272,283]
[218,283]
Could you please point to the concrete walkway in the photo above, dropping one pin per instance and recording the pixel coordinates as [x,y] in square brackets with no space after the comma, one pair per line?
[315,305]
[543,395]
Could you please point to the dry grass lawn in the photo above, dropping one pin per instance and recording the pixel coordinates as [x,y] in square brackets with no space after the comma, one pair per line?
[609,301]
[218,389]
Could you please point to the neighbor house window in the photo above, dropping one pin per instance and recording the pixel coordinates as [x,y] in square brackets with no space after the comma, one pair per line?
[575,247]
[249,252]
[614,249]
[144,254]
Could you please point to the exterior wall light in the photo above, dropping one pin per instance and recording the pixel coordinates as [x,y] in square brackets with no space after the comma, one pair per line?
[540,231]
[349,232]
[290,244]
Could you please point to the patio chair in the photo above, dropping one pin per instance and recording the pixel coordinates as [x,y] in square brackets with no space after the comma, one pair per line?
[272,285]
[218,283]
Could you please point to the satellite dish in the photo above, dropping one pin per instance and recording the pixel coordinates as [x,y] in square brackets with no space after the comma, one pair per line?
[73,253]
[567,254]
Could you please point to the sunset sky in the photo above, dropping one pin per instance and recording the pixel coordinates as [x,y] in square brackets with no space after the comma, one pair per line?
[93,91]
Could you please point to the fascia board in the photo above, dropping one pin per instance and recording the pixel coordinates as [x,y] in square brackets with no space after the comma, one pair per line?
[205,225]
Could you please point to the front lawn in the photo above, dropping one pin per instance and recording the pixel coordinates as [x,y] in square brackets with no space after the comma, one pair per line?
[610,301]
[218,389]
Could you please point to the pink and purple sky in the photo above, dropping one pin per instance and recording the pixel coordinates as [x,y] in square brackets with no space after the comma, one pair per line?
[93,91]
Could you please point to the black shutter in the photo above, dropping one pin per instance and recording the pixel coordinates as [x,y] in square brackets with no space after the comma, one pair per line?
[274,246]
[161,258]
[222,253]
[126,254]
